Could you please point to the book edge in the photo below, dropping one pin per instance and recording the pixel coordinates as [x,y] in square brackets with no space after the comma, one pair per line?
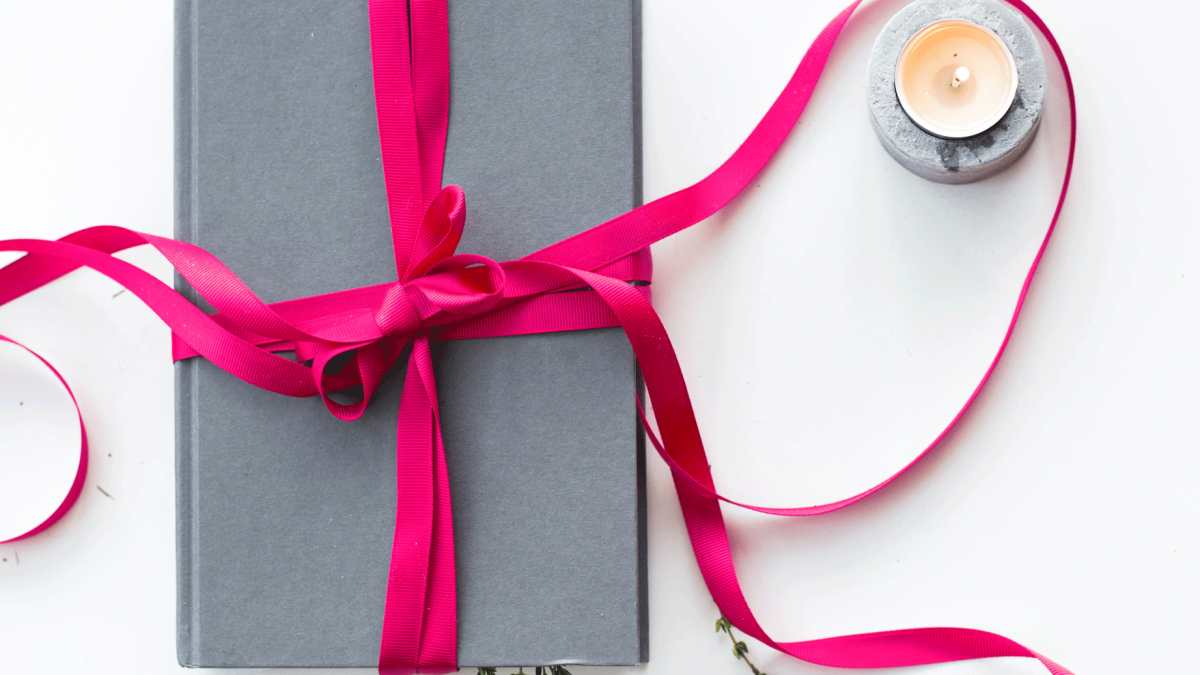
[185,642]
[635,13]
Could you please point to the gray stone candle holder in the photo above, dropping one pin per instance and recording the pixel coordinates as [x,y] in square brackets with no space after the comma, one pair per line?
[962,160]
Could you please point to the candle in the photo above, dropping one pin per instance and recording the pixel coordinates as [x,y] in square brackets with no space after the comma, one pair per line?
[986,81]
[956,79]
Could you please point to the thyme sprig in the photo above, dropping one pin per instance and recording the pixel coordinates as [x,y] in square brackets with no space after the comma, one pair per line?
[739,647]
[723,625]
[537,670]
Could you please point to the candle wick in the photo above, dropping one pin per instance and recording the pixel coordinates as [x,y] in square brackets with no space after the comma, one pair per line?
[960,75]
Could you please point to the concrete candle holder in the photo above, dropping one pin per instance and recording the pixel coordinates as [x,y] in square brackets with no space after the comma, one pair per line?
[964,160]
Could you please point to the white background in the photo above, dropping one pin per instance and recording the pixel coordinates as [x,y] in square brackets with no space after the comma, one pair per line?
[829,322]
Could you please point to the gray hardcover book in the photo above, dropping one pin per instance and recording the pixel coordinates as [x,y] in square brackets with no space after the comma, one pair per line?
[284,513]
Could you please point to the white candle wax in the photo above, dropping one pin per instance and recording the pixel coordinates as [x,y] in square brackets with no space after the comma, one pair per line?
[956,79]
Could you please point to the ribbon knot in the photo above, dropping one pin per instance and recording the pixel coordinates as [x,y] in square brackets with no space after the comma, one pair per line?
[431,254]
[397,315]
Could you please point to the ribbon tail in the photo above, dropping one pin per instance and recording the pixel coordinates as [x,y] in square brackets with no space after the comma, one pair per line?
[34,270]
[420,615]
[706,526]
[439,640]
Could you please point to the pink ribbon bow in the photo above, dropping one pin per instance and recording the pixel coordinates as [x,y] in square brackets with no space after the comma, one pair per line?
[440,295]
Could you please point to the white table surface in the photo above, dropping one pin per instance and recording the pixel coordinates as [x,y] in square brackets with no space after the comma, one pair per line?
[829,323]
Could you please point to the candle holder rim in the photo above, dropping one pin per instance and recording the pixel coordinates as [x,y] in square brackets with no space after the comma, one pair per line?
[933,129]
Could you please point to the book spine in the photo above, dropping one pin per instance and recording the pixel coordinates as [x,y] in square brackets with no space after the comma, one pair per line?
[185,643]
[643,618]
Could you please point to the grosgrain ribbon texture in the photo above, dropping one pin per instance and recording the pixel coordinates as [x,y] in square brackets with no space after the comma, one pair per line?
[440,295]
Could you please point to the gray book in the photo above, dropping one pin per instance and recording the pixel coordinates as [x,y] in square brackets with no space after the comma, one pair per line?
[285,513]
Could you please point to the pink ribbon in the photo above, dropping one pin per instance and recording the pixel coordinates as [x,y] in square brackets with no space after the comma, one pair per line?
[81,469]
[440,295]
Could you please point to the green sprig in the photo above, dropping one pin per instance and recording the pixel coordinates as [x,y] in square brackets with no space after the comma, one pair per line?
[739,647]
[537,670]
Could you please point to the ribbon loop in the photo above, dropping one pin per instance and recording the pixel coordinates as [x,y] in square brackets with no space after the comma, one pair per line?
[81,469]
[441,230]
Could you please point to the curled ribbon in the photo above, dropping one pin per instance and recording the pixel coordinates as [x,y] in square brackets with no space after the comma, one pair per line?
[80,470]
[440,295]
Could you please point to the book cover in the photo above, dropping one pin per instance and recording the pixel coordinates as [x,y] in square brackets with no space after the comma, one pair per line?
[285,513]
